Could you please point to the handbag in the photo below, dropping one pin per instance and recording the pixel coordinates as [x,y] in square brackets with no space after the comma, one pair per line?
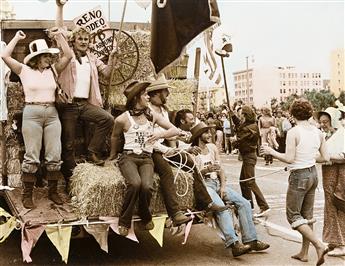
[61,97]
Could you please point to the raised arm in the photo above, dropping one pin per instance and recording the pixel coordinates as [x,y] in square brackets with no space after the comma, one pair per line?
[59,14]
[6,55]
[66,50]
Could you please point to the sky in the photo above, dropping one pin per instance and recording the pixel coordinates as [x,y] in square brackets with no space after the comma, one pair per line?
[272,33]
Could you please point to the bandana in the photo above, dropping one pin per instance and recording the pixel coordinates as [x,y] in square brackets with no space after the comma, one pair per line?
[146,111]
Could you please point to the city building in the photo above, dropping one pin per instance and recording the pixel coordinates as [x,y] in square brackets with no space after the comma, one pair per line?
[267,83]
[211,98]
[6,10]
[337,71]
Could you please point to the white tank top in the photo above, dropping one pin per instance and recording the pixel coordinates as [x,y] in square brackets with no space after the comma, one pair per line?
[203,160]
[307,148]
[82,88]
[137,135]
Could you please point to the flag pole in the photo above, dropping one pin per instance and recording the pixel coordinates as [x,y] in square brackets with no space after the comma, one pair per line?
[116,48]
[196,76]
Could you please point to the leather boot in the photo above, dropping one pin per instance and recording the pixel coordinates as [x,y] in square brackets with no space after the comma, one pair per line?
[239,249]
[93,158]
[27,195]
[179,218]
[52,192]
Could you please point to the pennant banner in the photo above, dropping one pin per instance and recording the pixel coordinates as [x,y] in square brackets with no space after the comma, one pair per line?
[60,236]
[188,227]
[174,23]
[100,233]
[158,231]
[30,236]
[7,227]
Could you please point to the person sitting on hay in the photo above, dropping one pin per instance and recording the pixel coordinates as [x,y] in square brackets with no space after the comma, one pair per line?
[135,126]
[208,161]
[40,117]
[158,91]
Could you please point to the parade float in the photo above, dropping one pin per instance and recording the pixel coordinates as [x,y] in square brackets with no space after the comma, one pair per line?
[96,192]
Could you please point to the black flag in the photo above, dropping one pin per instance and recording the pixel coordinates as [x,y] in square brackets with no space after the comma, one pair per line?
[175,23]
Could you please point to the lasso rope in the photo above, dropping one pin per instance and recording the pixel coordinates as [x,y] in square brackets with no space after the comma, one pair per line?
[182,164]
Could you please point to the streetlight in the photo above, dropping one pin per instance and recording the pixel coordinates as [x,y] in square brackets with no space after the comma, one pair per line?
[225,52]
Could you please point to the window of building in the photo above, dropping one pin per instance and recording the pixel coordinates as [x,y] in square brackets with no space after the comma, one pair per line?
[281,91]
[284,91]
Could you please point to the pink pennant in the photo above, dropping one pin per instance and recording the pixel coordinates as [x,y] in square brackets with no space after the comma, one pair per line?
[114,225]
[188,227]
[30,236]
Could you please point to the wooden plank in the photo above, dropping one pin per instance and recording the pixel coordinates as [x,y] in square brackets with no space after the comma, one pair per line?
[46,211]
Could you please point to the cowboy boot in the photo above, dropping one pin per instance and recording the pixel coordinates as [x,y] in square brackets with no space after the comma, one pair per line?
[53,195]
[27,195]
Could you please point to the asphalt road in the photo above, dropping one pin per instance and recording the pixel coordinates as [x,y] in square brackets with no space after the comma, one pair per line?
[204,247]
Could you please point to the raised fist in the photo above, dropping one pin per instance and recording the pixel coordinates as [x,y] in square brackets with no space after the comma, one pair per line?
[20,35]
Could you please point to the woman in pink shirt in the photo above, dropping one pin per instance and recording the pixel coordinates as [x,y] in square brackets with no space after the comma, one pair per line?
[40,117]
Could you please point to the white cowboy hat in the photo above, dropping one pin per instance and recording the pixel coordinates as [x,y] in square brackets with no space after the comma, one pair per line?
[159,84]
[38,47]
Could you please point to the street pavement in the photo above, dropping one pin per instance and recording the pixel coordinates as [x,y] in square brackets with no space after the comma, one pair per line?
[203,247]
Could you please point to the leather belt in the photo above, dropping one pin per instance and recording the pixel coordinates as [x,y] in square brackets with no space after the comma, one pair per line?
[132,152]
[41,103]
[78,100]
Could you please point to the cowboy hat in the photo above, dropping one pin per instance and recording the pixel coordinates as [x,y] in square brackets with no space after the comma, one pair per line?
[133,89]
[198,130]
[159,84]
[38,47]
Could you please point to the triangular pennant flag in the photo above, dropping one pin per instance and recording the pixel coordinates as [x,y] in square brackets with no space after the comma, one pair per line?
[114,225]
[30,236]
[188,227]
[158,231]
[6,228]
[100,233]
[60,236]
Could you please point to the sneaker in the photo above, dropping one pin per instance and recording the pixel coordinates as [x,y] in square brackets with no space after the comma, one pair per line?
[179,218]
[262,213]
[123,230]
[239,249]
[257,245]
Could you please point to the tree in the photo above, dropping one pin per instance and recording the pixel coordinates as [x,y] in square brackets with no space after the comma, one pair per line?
[320,99]
[341,97]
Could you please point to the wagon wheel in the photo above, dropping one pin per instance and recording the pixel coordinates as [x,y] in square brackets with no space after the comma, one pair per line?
[104,41]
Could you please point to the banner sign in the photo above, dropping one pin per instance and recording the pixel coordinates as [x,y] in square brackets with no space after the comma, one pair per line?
[94,21]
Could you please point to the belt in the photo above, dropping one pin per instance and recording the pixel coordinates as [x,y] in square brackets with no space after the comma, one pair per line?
[132,152]
[302,169]
[78,100]
[41,103]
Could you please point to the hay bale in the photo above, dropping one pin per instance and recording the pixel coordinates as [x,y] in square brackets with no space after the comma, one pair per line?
[99,191]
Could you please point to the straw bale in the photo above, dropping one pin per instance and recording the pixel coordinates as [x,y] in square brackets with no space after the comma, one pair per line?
[99,191]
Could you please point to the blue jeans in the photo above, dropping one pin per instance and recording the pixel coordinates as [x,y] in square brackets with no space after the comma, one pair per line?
[300,196]
[224,218]
[41,123]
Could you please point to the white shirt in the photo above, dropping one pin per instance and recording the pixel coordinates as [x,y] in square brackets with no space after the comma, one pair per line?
[83,82]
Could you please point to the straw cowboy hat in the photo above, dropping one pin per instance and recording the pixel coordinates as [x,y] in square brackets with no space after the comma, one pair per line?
[38,47]
[198,130]
[159,84]
[133,89]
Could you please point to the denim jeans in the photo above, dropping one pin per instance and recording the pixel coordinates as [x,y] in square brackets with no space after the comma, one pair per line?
[300,196]
[69,114]
[247,187]
[138,173]
[224,219]
[41,123]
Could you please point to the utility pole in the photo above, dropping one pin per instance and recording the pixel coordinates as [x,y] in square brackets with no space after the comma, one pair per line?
[247,77]
[196,76]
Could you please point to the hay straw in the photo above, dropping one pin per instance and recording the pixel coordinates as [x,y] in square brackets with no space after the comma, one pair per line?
[99,191]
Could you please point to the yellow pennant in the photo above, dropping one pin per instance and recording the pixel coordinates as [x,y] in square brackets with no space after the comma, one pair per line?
[6,228]
[60,236]
[158,231]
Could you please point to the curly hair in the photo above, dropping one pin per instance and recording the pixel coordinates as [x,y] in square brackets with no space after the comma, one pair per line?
[76,32]
[301,109]
[33,63]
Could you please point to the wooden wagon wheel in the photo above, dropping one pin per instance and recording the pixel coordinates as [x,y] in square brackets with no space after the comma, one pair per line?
[104,41]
